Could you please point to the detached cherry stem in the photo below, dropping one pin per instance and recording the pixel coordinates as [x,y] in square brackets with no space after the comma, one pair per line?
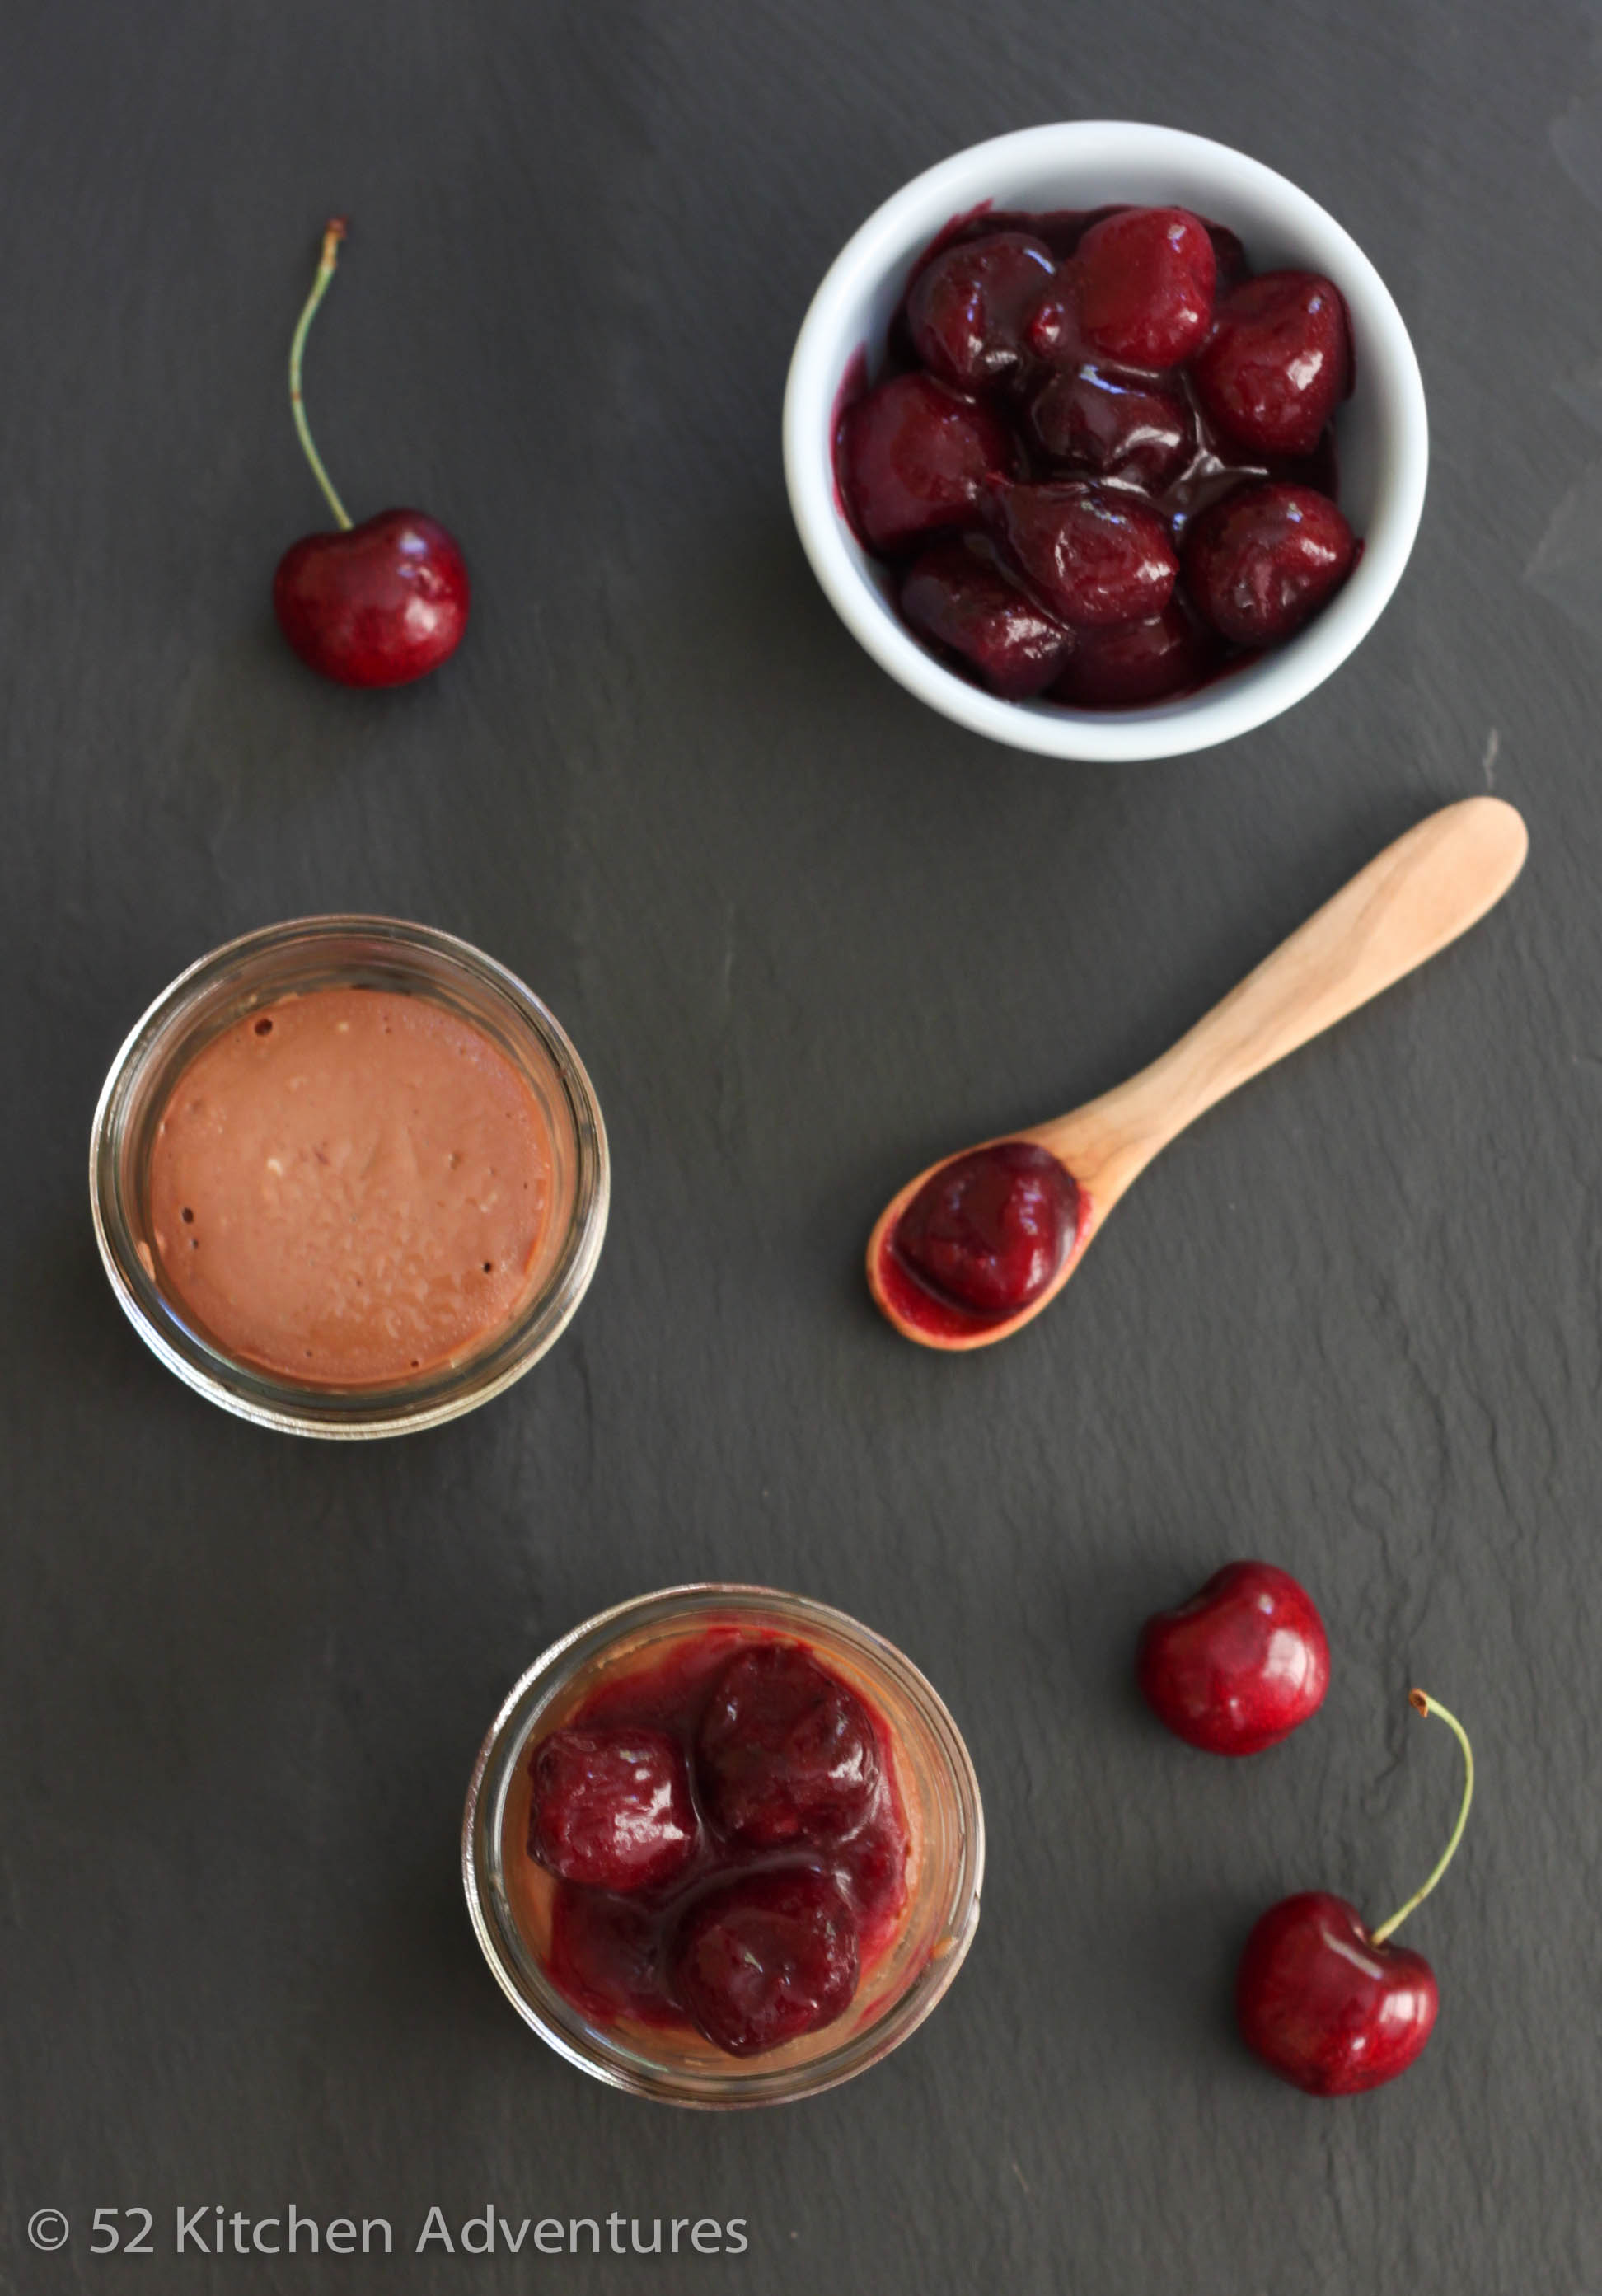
[332,237]
[1423,1703]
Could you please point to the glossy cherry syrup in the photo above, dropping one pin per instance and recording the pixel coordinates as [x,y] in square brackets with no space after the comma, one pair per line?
[960,595]
[766,1956]
[1129,427]
[1129,663]
[1240,1664]
[381,604]
[1277,363]
[612,1807]
[983,1238]
[968,307]
[746,1799]
[915,455]
[1064,400]
[1095,555]
[1261,561]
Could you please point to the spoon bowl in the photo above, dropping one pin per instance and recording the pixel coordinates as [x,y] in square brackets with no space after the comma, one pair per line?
[1411,902]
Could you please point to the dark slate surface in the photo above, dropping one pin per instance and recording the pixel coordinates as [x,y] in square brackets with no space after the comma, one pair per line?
[805,936]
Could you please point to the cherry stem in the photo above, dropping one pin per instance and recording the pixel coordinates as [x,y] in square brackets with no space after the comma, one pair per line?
[1423,1703]
[319,288]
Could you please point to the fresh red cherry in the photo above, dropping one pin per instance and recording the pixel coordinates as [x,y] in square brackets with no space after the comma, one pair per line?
[1130,663]
[1094,554]
[1145,281]
[1113,425]
[1278,361]
[991,1228]
[957,595]
[786,1753]
[765,1958]
[611,1807]
[914,456]
[1323,2005]
[1241,1665]
[1262,560]
[376,605]
[380,605]
[966,308]
[1328,2004]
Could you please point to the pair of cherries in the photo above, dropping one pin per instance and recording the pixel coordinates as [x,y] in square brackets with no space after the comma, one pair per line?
[381,604]
[1327,2004]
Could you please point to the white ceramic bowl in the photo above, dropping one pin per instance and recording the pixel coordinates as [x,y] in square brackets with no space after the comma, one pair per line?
[1382,430]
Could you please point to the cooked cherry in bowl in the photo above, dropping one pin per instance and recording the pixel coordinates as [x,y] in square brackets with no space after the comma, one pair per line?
[727,1840]
[1099,462]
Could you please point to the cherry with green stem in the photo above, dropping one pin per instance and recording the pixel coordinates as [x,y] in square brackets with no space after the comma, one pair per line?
[381,604]
[1330,2005]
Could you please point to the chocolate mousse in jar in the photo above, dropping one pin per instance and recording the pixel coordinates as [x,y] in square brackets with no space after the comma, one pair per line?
[348,1177]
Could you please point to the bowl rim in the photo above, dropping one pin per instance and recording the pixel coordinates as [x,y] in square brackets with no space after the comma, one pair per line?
[739,2087]
[252,1392]
[1244,698]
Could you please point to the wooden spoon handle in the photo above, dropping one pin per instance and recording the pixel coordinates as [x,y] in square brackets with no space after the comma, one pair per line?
[1409,902]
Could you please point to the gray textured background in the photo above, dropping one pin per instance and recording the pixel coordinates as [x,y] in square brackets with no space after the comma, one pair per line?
[806,935]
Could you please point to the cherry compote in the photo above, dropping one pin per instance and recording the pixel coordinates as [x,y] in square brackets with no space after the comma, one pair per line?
[960,595]
[1099,459]
[727,1842]
[984,1236]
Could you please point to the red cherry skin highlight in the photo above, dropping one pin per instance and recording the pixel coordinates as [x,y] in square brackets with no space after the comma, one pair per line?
[1145,281]
[377,604]
[912,457]
[765,1957]
[1239,1666]
[611,1808]
[1093,554]
[1324,2006]
[1263,560]
[1277,363]
[786,1753]
[961,599]
[966,308]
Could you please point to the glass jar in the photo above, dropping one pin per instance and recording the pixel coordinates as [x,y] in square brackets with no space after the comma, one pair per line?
[347,952]
[939,1791]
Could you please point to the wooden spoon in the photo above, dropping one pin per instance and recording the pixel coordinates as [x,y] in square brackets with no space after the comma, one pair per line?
[1415,896]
